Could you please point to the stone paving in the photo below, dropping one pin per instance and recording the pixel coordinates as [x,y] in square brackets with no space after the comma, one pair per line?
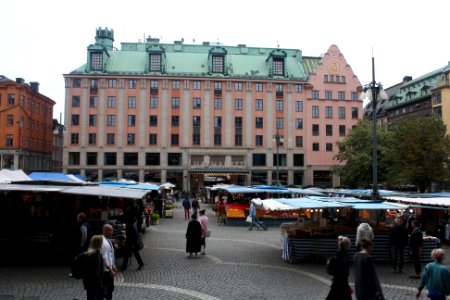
[239,264]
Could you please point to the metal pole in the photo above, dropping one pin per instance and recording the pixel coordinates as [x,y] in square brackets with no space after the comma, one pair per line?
[277,138]
[374,90]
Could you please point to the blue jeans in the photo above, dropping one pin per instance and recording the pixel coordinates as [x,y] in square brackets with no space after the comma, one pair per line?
[255,222]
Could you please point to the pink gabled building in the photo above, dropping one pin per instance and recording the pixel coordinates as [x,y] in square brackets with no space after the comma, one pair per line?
[332,109]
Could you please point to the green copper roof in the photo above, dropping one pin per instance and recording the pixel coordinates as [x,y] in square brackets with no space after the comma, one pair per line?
[192,60]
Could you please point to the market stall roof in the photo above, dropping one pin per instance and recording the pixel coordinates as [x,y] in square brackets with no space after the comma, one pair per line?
[314,192]
[107,191]
[361,192]
[261,189]
[53,176]
[7,176]
[130,185]
[31,187]
[432,201]
[378,205]
[307,203]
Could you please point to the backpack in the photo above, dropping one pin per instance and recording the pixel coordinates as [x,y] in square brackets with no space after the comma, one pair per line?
[331,266]
[79,265]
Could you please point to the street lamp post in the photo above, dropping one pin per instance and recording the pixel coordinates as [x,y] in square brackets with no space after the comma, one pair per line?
[376,92]
[277,139]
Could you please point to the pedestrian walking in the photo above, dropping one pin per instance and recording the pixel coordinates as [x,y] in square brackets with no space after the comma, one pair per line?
[85,232]
[193,237]
[415,248]
[255,222]
[398,239]
[367,285]
[220,211]
[195,206]
[131,246]
[340,289]
[109,270]
[93,275]
[364,230]
[436,277]
[187,206]
[204,222]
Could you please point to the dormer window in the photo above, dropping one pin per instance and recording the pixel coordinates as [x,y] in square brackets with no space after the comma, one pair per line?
[278,67]
[217,61]
[96,61]
[155,62]
[218,64]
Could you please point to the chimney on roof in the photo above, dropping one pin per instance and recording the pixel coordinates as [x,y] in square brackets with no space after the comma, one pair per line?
[20,80]
[34,86]
[407,78]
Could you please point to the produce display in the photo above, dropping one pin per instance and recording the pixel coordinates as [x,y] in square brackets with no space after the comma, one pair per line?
[234,213]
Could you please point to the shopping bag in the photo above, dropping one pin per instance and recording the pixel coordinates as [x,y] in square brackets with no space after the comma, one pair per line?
[249,219]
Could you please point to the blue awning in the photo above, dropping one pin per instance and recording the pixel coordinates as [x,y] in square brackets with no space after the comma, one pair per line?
[128,185]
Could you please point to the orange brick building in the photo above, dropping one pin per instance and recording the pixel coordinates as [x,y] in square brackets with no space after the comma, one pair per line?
[26,118]
[196,114]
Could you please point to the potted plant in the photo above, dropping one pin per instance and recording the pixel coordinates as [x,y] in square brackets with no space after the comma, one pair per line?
[155,219]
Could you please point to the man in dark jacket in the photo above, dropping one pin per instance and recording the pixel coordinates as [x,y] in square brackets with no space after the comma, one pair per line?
[415,247]
[398,238]
[85,232]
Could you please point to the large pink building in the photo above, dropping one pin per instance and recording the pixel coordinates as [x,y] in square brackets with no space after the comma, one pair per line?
[196,114]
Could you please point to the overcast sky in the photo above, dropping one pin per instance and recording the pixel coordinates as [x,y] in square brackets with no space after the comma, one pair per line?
[42,40]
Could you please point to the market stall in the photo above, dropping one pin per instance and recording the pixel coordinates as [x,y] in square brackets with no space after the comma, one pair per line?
[315,233]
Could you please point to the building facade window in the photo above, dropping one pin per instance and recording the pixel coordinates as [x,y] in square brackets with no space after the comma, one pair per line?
[10,120]
[92,139]
[130,159]
[298,88]
[132,84]
[196,139]
[217,139]
[328,112]
[75,101]
[354,96]
[315,111]
[259,122]
[153,102]
[175,121]
[315,147]
[238,104]
[299,123]
[174,139]
[238,86]
[75,120]
[110,139]
[279,105]
[259,104]
[152,139]
[259,159]
[315,94]
[174,159]
[278,66]
[217,103]
[342,130]
[354,113]
[153,121]
[9,140]
[329,147]
[196,121]
[196,103]
[328,95]
[238,139]
[131,120]
[329,130]
[110,120]
[74,138]
[258,87]
[131,139]
[299,160]
[176,85]
[175,102]
[93,101]
[259,140]
[238,122]
[217,122]
[152,159]
[111,101]
[341,110]
[196,85]
[280,123]
[76,82]
[112,83]
[298,106]
[92,120]
[299,141]
[132,102]
[315,130]
[341,95]
[110,159]
[74,158]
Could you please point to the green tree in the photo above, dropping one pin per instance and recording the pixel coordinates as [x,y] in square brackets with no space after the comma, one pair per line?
[355,151]
[419,153]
